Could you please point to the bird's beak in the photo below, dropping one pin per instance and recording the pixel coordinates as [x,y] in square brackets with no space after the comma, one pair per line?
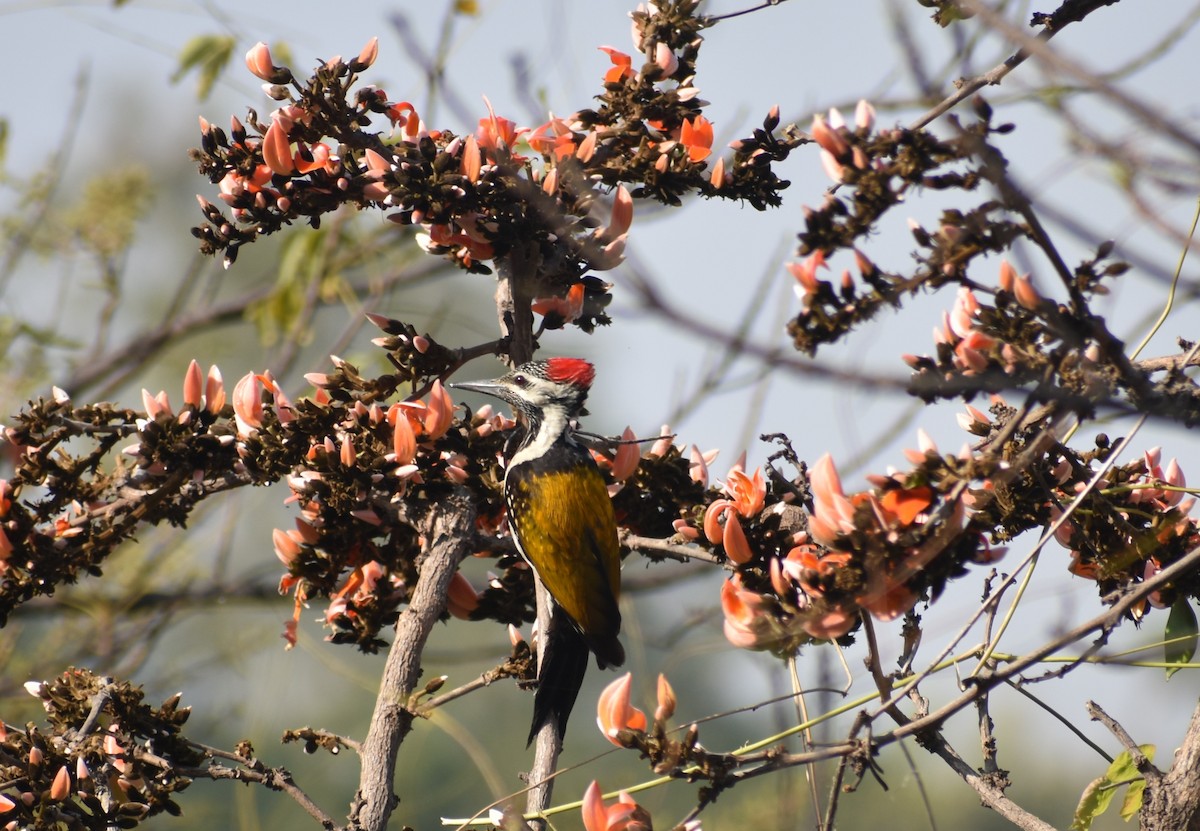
[486,387]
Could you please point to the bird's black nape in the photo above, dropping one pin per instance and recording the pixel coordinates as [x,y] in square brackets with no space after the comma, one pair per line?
[560,675]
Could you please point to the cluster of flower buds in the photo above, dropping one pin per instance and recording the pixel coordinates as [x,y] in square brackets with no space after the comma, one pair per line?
[878,169]
[876,552]
[351,486]
[1156,524]
[476,196]
[118,772]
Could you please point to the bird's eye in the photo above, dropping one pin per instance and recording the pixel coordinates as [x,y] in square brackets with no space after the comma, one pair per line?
[520,380]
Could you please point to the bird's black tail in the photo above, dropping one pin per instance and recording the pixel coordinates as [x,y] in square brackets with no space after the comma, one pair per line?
[560,674]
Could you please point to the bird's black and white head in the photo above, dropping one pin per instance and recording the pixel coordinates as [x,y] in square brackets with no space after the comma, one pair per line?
[548,394]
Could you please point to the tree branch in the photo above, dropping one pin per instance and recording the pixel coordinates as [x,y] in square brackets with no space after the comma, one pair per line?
[450,529]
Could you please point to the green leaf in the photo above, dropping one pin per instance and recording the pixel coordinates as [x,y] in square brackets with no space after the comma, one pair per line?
[208,55]
[1180,635]
[1099,793]
[1123,769]
[1133,799]
[1092,803]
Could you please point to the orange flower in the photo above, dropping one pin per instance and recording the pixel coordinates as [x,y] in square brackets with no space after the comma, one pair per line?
[806,567]
[568,308]
[404,114]
[830,625]
[1089,571]
[277,150]
[554,138]
[614,713]
[1008,276]
[749,623]
[472,161]
[905,504]
[440,411]
[1026,294]
[612,237]
[347,453]
[833,512]
[712,520]
[622,67]
[733,539]
[404,440]
[248,405]
[317,157]
[495,133]
[623,815]
[746,492]
[888,600]
[697,136]
[587,147]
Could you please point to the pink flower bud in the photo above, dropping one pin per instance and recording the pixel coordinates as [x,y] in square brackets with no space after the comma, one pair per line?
[214,391]
[864,115]
[665,59]
[462,598]
[60,788]
[666,700]
[626,460]
[259,62]
[614,713]
[717,177]
[286,548]
[828,138]
[367,56]
[733,538]
[712,520]
[587,148]
[1026,294]
[247,405]
[277,151]
[193,385]
[1008,276]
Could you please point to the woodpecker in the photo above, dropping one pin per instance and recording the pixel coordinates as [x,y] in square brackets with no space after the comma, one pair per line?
[562,520]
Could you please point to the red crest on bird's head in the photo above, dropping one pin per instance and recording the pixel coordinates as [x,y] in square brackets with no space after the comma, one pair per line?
[570,371]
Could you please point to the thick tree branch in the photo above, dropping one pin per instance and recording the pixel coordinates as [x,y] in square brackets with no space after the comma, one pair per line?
[450,530]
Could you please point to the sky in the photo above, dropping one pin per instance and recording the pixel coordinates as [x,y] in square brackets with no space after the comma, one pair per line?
[803,55]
